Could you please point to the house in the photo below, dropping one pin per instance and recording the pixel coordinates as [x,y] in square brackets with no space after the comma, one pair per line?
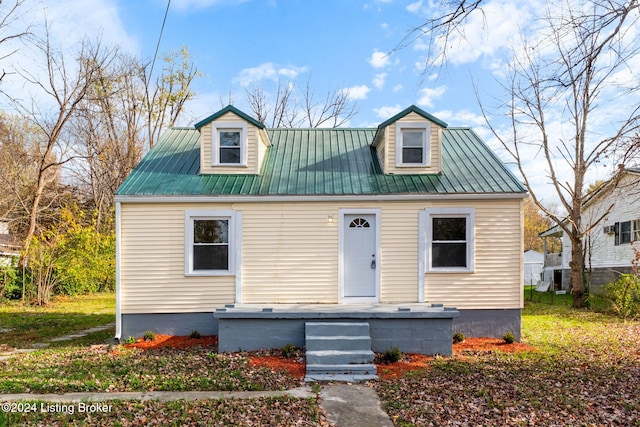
[9,250]
[533,264]
[612,216]
[230,221]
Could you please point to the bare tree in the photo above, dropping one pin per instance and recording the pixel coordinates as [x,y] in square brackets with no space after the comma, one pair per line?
[122,114]
[290,108]
[172,89]
[447,19]
[567,78]
[64,85]
[9,14]
[108,127]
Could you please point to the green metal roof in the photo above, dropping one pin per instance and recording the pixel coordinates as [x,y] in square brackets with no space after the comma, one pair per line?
[225,110]
[336,161]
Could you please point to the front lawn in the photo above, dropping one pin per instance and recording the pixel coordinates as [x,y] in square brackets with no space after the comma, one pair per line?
[586,372]
[108,369]
[24,325]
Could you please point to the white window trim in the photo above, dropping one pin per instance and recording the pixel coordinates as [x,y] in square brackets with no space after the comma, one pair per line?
[215,143]
[426,146]
[426,238]
[234,242]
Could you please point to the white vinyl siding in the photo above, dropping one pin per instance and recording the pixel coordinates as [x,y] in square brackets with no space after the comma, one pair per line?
[496,281]
[290,254]
[152,278]
[251,155]
[625,207]
[393,164]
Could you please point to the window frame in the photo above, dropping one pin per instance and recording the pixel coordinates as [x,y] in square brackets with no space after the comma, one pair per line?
[633,233]
[228,126]
[233,243]
[469,215]
[425,127]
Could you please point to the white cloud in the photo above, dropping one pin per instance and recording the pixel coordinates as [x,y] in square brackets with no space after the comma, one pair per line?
[388,111]
[379,59]
[429,95]
[357,92]
[414,7]
[398,88]
[378,80]
[489,32]
[267,71]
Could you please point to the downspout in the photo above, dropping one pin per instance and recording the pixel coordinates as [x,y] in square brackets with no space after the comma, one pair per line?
[118,265]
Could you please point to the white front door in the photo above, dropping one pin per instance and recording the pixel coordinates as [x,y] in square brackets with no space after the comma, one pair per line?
[359,252]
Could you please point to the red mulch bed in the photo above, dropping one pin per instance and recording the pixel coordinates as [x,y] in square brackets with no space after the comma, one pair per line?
[408,363]
[170,341]
[295,366]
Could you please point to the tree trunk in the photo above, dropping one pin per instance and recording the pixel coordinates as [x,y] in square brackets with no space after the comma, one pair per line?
[577,272]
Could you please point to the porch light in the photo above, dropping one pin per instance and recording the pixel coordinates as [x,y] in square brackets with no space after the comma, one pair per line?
[330,217]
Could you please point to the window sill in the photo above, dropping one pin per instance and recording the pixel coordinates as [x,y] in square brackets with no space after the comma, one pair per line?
[209,273]
[450,270]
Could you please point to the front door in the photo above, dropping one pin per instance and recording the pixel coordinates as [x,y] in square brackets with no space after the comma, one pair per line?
[359,263]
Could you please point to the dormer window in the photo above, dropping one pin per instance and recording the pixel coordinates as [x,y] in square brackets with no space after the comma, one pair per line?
[412,144]
[229,144]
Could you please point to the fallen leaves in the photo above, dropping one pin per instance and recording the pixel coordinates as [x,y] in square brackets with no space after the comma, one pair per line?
[583,379]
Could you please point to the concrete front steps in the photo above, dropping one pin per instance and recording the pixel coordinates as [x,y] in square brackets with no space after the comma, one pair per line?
[338,351]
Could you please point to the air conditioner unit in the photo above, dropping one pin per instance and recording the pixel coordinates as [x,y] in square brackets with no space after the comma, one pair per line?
[609,229]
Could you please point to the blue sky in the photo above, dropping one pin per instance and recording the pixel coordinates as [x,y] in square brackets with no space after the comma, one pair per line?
[341,45]
[334,44]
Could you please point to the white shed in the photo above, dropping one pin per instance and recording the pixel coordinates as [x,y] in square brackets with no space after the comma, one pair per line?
[533,264]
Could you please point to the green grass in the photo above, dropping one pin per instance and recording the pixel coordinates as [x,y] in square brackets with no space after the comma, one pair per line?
[23,325]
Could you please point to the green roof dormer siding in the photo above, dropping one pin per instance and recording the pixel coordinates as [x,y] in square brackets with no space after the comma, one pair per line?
[231,142]
[410,143]
[318,162]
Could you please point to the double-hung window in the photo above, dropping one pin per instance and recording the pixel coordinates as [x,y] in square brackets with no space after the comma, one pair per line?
[412,144]
[209,242]
[626,232]
[449,239]
[229,144]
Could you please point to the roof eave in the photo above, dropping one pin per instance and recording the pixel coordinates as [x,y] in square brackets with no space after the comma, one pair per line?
[412,109]
[229,109]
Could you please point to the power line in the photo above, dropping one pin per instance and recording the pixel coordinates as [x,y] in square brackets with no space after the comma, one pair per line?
[155,55]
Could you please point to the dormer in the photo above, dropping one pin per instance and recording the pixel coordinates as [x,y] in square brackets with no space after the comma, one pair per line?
[231,142]
[410,143]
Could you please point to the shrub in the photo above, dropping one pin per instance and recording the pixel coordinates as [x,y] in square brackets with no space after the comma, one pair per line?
[624,295]
[195,335]
[458,337]
[392,355]
[10,282]
[289,351]
[130,340]
[509,338]
[149,336]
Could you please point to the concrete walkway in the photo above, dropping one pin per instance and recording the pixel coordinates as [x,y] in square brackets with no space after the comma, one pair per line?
[39,345]
[346,405]
[353,405]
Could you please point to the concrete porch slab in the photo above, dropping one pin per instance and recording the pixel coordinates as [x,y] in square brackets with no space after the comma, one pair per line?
[413,328]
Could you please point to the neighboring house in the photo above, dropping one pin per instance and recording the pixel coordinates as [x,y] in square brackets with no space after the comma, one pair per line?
[609,245]
[9,251]
[533,263]
[230,212]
